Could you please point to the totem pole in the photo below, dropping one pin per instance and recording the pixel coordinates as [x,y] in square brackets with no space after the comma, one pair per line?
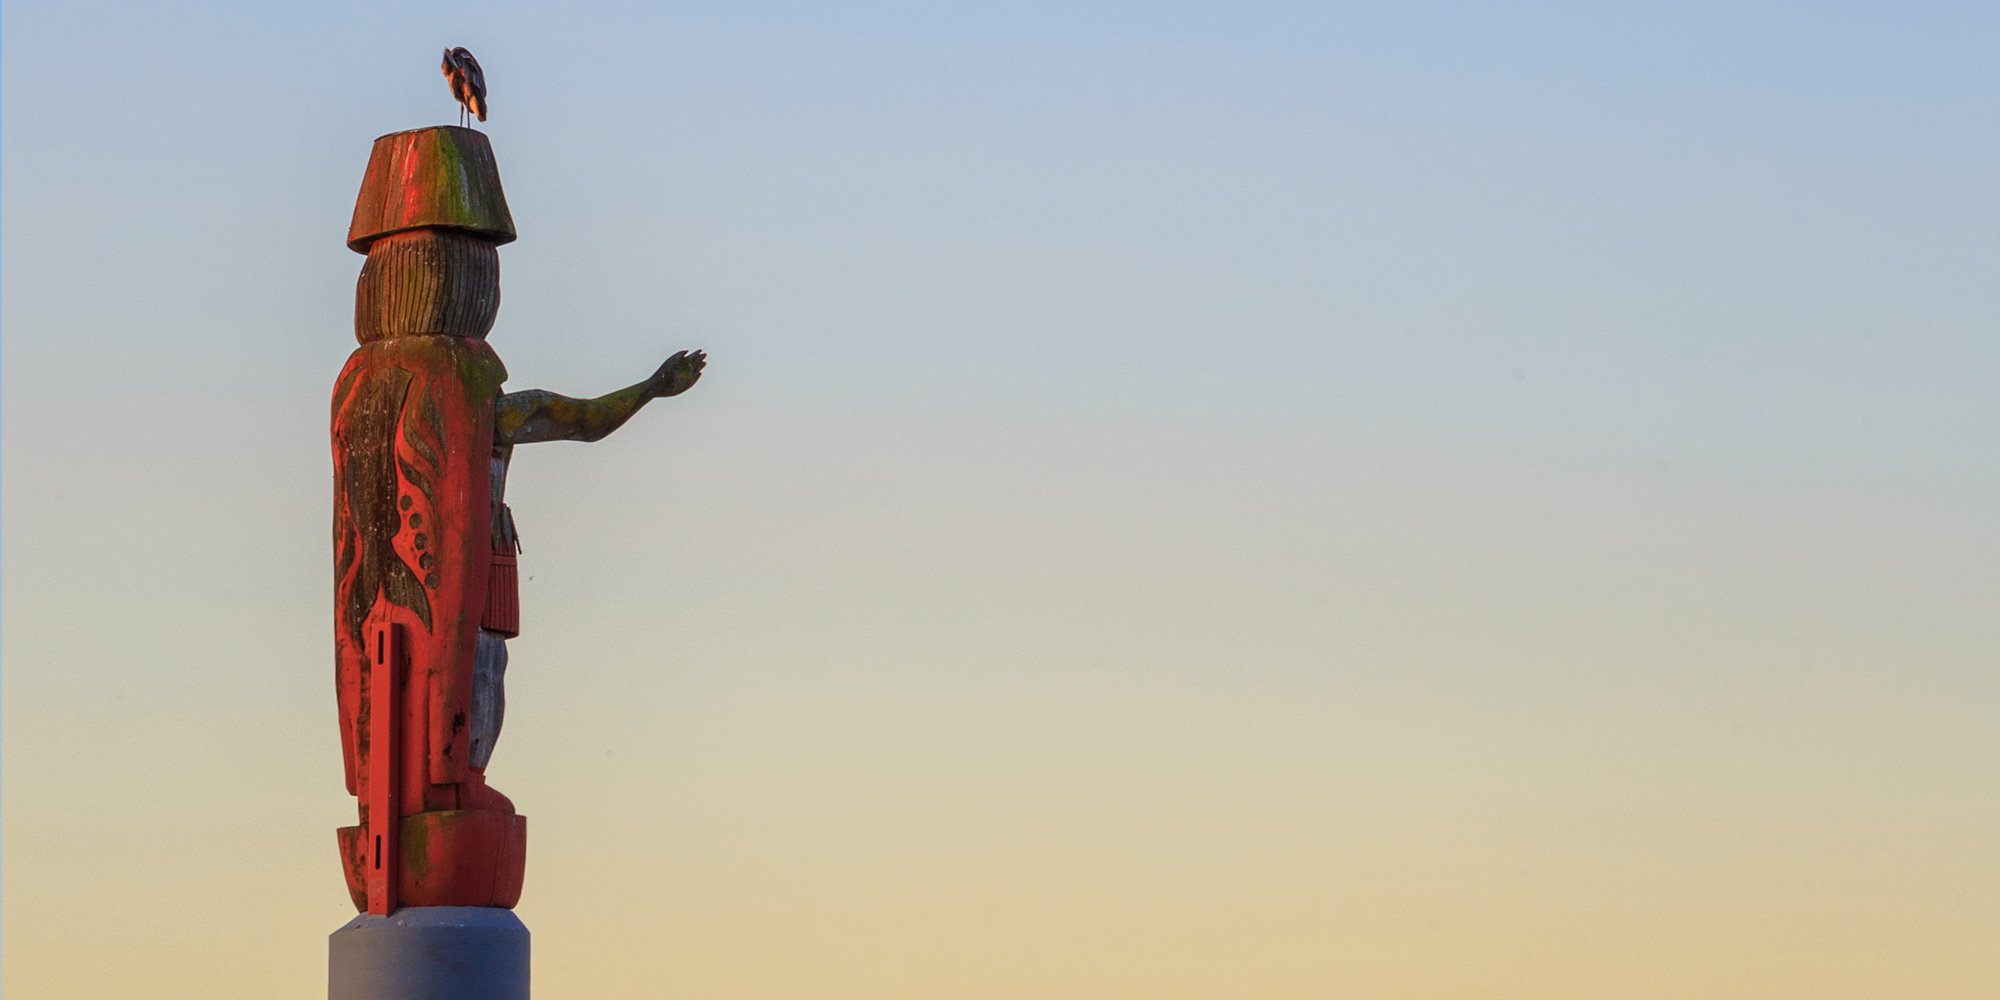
[424,548]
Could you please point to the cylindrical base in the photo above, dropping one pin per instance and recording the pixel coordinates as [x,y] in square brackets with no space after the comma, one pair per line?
[430,953]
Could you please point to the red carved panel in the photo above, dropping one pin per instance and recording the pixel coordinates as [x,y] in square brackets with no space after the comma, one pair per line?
[473,857]
[412,442]
[412,535]
[503,596]
[387,669]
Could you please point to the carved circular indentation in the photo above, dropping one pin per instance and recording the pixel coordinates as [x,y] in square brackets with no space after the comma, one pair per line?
[431,580]
[416,520]
[421,540]
[405,502]
[427,561]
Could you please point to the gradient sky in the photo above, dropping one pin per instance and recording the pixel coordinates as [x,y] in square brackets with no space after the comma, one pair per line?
[1429,500]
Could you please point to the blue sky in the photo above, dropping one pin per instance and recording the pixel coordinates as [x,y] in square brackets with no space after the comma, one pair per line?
[1351,499]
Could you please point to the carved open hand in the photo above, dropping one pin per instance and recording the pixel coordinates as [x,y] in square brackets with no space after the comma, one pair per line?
[677,375]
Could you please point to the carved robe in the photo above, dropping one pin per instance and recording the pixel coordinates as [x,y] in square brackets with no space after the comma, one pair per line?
[412,533]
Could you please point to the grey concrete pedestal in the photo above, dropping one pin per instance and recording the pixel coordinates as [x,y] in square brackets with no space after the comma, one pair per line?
[430,953]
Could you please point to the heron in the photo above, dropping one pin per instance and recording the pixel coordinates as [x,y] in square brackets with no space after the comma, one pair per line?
[468,84]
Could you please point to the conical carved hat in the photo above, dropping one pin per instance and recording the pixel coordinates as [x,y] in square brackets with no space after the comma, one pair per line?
[440,176]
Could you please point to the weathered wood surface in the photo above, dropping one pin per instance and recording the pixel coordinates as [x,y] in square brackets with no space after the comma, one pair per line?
[422,545]
[427,281]
[413,435]
[387,670]
[412,443]
[431,177]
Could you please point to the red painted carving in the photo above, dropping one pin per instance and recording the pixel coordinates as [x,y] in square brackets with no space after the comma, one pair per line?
[426,588]
[412,532]
[503,596]
[413,429]
[388,667]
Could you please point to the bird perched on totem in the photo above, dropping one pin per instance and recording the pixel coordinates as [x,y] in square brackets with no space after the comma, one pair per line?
[468,84]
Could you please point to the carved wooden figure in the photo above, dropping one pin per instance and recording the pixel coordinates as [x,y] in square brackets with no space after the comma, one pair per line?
[425,590]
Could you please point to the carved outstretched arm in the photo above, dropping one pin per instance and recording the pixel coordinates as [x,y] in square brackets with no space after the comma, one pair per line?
[540,415]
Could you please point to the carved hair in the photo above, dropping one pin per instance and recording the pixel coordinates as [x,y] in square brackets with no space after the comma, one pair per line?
[426,282]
